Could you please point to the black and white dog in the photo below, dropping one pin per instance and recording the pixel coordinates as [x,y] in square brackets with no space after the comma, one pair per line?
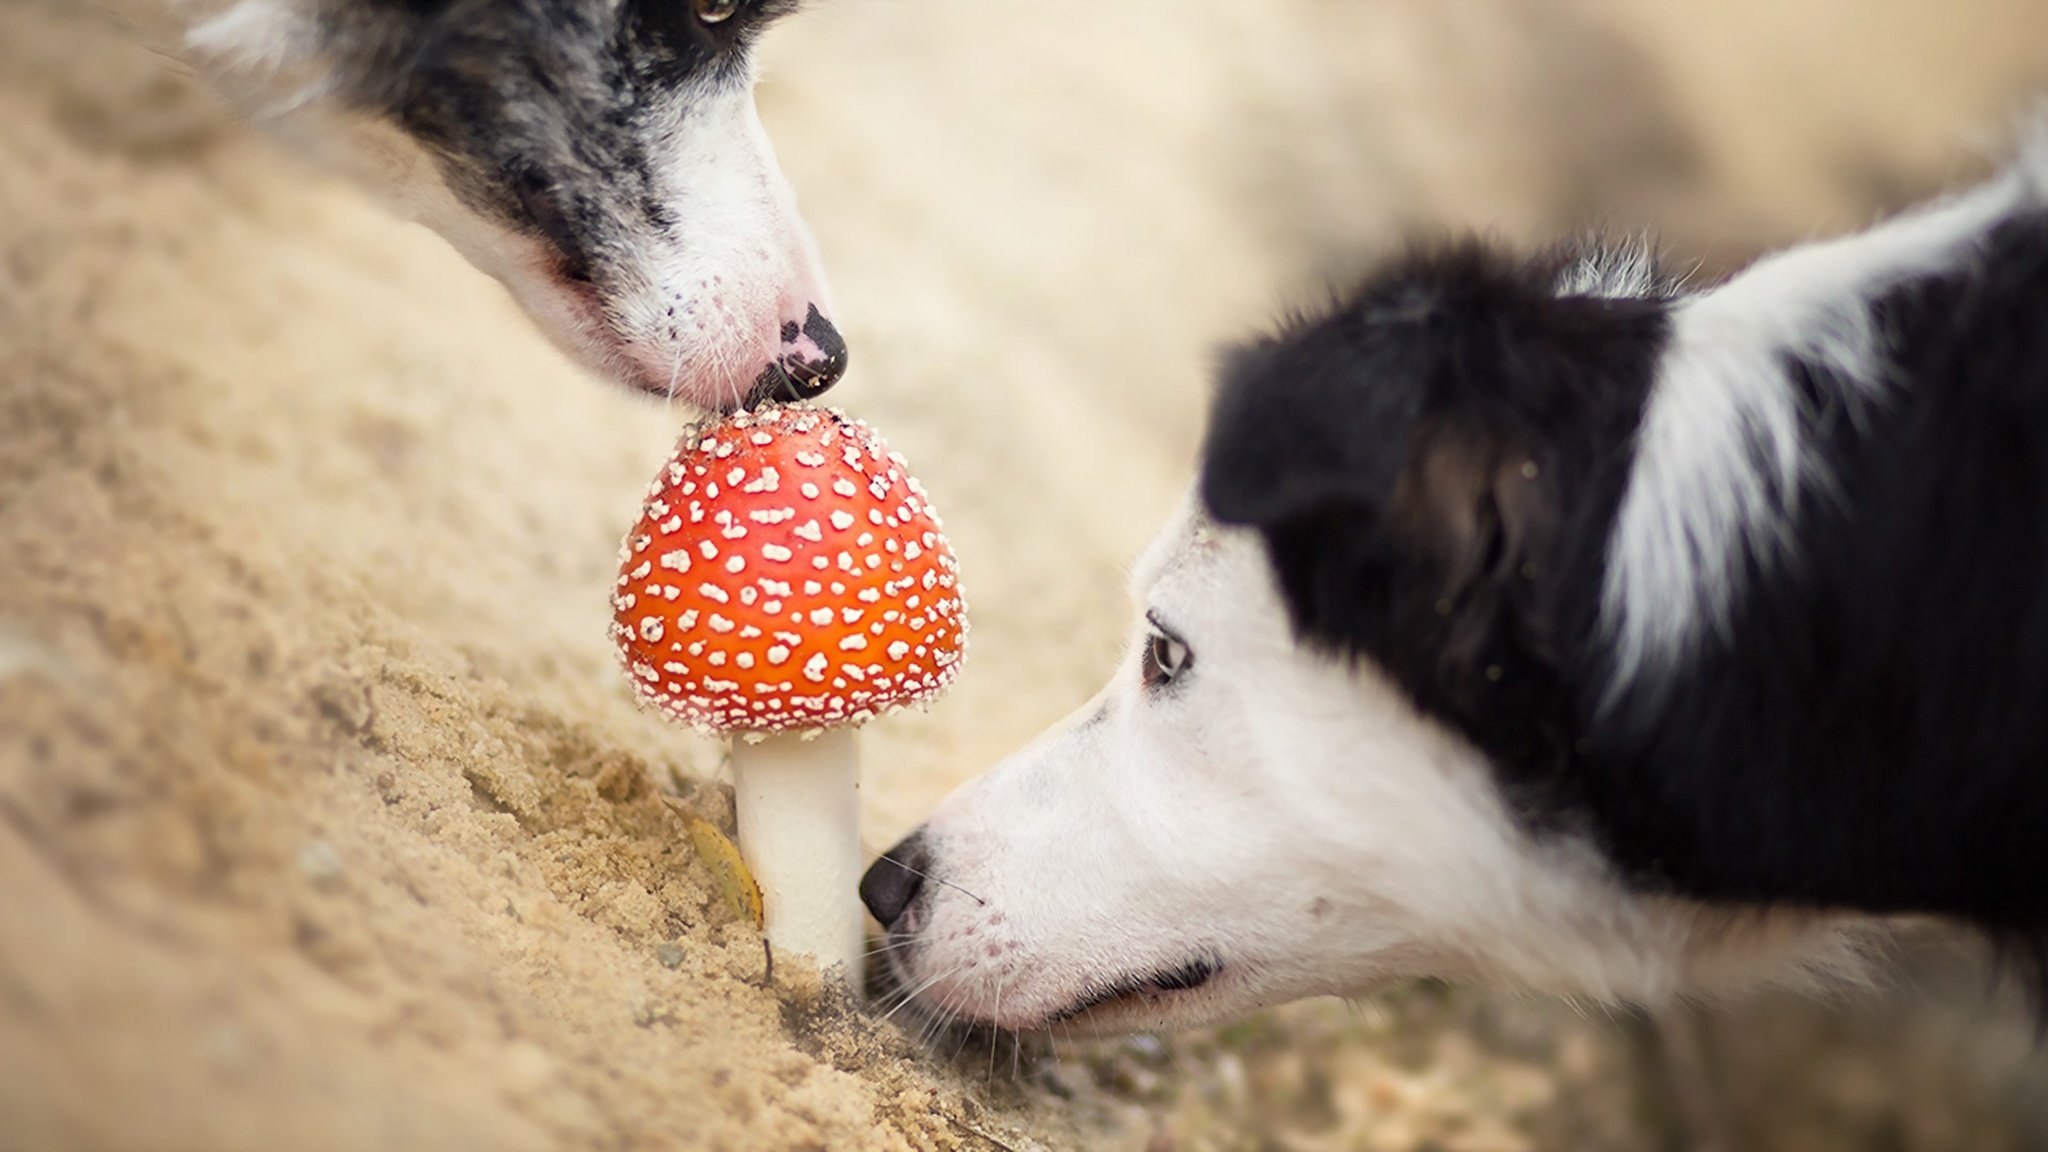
[1538,622]
[602,158]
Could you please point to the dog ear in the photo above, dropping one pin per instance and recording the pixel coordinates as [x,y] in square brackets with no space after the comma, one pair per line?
[1295,431]
[1398,497]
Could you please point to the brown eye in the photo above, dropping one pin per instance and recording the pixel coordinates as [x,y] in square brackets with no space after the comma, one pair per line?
[716,11]
[1164,659]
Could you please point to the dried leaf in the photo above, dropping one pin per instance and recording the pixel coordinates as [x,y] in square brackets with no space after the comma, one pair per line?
[722,859]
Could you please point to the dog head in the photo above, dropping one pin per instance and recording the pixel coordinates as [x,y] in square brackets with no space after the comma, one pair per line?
[1338,750]
[602,158]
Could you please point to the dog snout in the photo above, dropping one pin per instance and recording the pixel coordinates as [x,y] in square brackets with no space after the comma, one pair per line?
[894,880]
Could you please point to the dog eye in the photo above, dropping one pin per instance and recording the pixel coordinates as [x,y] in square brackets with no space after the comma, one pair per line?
[1164,659]
[716,11]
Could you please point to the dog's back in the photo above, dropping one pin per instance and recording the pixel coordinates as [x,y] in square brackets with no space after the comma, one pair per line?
[1864,720]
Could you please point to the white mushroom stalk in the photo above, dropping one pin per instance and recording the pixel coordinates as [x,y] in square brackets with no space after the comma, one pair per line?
[786,582]
[797,797]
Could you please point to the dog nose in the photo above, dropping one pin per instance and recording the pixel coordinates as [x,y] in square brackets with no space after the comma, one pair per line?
[893,881]
[817,353]
[813,359]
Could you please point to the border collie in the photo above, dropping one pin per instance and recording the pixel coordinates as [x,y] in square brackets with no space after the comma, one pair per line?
[602,158]
[1536,621]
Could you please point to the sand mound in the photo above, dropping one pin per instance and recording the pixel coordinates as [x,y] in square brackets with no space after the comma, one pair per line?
[325,819]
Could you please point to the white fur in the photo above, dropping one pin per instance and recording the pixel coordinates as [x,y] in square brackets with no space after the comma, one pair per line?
[1722,459]
[1290,816]
[745,264]
[694,312]
[250,38]
[1626,270]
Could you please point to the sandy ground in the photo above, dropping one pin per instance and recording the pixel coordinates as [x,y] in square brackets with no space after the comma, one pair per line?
[325,819]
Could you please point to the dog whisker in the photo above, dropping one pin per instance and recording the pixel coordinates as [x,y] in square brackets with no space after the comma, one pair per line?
[934,879]
[997,1013]
[911,995]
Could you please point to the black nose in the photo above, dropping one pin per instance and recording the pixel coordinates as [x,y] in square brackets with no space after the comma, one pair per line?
[817,363]
[813,359]
[893,881]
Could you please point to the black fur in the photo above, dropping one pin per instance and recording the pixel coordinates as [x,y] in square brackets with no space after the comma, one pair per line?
[1871,730]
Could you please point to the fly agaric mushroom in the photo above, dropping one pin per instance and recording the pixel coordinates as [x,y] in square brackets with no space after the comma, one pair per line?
[788,580]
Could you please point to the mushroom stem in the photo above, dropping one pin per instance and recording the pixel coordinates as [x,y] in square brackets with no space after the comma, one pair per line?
[798,802]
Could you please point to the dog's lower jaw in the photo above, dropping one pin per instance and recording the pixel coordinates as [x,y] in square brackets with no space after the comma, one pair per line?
[1650,952]
[1149,1008]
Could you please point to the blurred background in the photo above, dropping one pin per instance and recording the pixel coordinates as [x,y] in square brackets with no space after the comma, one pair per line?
[325,819]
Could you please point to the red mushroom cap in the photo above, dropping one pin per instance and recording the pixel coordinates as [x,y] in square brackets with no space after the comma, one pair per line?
[787,573]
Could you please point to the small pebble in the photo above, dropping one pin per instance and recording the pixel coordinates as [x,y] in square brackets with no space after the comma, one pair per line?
[1147,1047]
[319,863]
[647,1011]
[668,954]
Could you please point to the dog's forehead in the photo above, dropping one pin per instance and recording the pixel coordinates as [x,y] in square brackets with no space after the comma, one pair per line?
[1186,548]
